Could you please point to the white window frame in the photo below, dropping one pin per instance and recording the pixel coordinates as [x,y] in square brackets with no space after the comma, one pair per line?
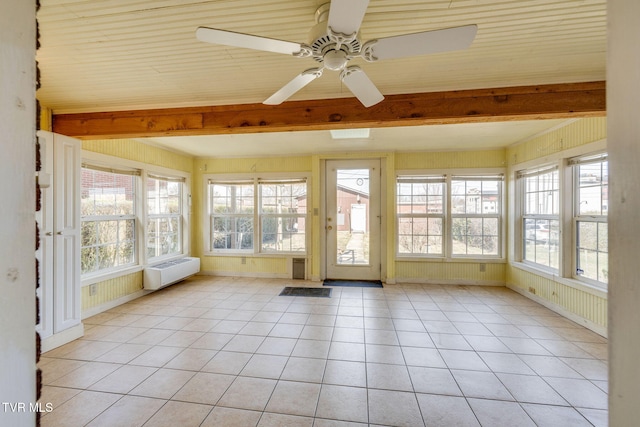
[135,177]
[112,162]
[159,216]
[498,214]
[232,216]
[280,217]
[254,179]
[449,175]
[565,275]
[525,237]
[442,216]
[602,218]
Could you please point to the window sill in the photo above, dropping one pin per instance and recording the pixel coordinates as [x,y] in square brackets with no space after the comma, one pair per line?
[570,282]
[101,277]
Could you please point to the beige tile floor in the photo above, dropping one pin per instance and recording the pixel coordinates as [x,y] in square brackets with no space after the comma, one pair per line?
[231,352]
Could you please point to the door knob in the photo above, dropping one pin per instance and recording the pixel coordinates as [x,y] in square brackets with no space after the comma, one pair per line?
[329,227]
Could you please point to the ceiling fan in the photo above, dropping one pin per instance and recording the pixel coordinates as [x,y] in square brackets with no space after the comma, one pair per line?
[334,41]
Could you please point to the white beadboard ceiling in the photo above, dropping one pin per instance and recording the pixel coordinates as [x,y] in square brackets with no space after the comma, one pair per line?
[106,55]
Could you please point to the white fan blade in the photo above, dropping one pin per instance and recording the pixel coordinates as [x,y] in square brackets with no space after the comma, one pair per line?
[230,38]
[361,86]
[421,43]
[298,82]
[345,16]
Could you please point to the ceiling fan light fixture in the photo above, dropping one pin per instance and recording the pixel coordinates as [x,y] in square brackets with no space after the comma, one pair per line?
[335,59]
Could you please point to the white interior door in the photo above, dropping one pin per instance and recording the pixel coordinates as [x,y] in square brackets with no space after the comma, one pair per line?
[352,219]
[66,232]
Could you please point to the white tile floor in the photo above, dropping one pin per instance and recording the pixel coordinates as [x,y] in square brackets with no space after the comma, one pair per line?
[231,352]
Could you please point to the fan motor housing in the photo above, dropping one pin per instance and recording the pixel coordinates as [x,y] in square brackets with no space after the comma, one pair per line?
[320,43]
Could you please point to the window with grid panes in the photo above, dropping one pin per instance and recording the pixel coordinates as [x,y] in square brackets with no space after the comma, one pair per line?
[108,219]
[232,208]
[283,212]
[591,200]
[476,211]
[541,216]
[164,216]
[420,210]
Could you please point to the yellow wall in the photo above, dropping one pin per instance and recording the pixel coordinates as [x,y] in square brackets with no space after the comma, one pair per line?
[441,272]
[114,289]
[451,160]
[137,151]
[589,308]
[584,305]
[249,266]
[575,134]
[111,290]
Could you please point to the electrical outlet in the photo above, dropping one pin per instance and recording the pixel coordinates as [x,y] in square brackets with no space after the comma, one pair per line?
[93,289]
[532,290]
[483,267]
[243,260]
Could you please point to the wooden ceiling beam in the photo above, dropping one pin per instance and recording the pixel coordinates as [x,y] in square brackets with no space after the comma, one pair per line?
[466,106]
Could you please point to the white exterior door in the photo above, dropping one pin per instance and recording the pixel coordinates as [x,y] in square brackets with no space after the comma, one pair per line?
[352,219]
[60,297]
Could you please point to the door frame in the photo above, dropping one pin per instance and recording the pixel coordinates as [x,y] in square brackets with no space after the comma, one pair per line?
[323,211]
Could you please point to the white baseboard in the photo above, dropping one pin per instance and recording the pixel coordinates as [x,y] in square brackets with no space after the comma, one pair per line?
[598,329]
[424,281]
[246,274]
[61,338]
[114,303]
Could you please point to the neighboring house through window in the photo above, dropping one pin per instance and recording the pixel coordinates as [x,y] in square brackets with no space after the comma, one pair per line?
[476,212]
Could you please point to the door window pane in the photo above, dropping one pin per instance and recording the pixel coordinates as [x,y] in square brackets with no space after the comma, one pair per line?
[352,222]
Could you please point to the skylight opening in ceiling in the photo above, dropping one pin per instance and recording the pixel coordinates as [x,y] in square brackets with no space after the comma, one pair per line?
[362,133]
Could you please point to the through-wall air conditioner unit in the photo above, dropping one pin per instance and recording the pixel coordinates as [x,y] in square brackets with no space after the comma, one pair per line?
[169,272]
